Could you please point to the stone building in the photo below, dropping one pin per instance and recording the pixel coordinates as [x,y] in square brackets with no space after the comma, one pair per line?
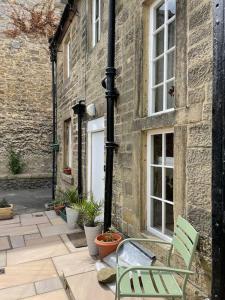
[163,116]
[26,107]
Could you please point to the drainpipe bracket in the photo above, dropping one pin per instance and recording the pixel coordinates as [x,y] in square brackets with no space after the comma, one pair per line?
[111,145]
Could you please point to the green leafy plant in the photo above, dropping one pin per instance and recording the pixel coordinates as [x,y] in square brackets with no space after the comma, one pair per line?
[70,197]
[4,203]
[90,210]
[16,165]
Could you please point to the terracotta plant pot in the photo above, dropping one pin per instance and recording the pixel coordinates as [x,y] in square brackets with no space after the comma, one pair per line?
[67,171]
[6,212]
[57,208]
[105,247]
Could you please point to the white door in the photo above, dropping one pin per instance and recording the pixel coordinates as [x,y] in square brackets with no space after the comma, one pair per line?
[96,159]
[97,165]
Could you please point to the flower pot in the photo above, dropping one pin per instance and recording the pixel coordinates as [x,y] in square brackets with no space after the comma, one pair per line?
[57,208]
[91,233]
[72,217]
[105,247]
[67,171]
[6,212]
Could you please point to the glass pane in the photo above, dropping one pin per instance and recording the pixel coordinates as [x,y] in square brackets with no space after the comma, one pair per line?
[159,70]
[169,149]
[170,94]
[170,65]
[160,15]
[157,182]
[97,9]
[158,98]
[169,184]
[169,226]
[171,7]
[171,35]
[159,43]
[97,31]
[157,214]
[157,146]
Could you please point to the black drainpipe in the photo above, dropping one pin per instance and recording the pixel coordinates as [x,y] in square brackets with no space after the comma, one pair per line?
[79,110]
[53,58]
[218,153]
[111,95]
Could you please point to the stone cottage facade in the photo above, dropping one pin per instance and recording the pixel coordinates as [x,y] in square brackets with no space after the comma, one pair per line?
[163,123]
[26,107]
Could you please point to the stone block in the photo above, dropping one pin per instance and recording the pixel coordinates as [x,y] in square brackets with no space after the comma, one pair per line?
[17,241]
[200,15]
[200,135]
[48,285]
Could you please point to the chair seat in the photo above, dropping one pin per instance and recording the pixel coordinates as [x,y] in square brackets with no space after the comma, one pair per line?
[148,283]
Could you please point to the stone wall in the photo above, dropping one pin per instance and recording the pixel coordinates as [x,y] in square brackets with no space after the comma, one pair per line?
[191,119]
[25,99]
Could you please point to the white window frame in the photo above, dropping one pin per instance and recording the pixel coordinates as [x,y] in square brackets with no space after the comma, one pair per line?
[68,59]
[152,59]
[163,200]
[94,22]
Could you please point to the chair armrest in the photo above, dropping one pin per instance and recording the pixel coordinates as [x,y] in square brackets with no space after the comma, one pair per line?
[139,268]
[137,240]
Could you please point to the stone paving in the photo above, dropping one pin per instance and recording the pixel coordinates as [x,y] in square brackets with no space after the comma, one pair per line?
[41,263]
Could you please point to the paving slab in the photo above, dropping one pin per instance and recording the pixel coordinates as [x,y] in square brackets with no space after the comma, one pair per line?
[4,243]
[51,214]
[26,273]
[10,225]
[74,263]
[48,285]
[56,229]
[19,230]
[85,286]
[39,214]
[36,252]
[2,259]
[32,236]
[68,243]
[34,220]
[25,216]
[18,292]
[56,295]
[17,241]
[15,219]
[45,240]
[57,221]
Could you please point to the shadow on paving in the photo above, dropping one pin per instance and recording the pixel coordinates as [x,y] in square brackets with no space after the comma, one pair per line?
[27,201]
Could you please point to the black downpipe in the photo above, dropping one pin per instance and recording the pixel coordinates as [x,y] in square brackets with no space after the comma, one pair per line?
[79,109]
[53,57]
[218,152]
[111,95]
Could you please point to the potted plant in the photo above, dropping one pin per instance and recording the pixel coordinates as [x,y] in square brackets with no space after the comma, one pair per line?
[107,242]
[90,210]
[58,205]
[72,201]
[6,210]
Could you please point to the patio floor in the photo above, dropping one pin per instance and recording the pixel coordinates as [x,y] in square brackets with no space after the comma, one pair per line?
[41,263]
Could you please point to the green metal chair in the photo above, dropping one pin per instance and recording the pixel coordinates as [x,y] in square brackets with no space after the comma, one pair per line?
[154,281]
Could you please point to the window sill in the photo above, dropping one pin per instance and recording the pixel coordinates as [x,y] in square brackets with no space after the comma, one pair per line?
[67,178]
[150,235]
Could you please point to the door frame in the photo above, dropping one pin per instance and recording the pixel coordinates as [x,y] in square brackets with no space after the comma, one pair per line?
[92,127]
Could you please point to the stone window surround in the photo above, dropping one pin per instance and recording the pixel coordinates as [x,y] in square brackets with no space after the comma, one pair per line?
[151,15]
[67,60]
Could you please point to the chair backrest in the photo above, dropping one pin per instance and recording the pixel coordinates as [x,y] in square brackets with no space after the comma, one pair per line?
[185,240]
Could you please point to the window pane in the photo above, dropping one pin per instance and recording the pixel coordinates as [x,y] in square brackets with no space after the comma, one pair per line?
[171,35]
[97,9]
[160,15]
[159,43]
[97,31]
[158,98]
[170,65]
[157,146]
[156,182]
[170,94]
[159,70]
[169,228]
[171,7]
[169,149]
[169,184]
[157,214]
